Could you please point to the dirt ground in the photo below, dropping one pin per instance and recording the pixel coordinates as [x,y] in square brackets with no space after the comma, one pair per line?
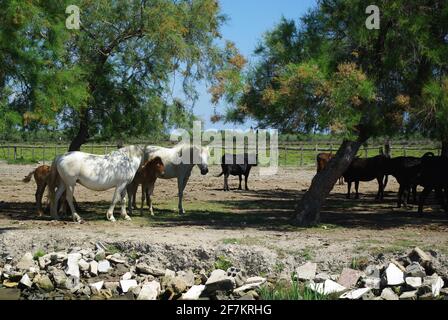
[249,228]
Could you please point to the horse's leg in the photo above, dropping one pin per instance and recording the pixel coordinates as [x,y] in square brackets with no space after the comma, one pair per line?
[54,206]
[400,196]
[69,196]
[39,194]
[181,184]
[144,192]
[245,181]
[357,189]
[123,198]
[426,191]
[149,191]
[379,195]
[134,197]
[130,191]
[441,198]
[349,186]
[115,199]
[241,179]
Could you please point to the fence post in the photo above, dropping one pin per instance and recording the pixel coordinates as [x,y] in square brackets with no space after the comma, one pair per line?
[43,154]
[404,151]
[286,154]
[15,152]
[366,151]
[32,153]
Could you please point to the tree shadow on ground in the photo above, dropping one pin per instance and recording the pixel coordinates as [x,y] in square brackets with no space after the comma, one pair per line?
[264,210]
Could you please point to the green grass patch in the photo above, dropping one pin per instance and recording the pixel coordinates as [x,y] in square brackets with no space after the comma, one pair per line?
[22,161]
[246,241]
[290,291]
[38,254]
[359,263]
[112,249]
[222,263]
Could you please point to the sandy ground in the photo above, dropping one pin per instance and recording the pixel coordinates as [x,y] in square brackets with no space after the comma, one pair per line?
[250,228]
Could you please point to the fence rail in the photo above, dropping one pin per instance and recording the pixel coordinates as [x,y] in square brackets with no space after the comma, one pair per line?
[289,155]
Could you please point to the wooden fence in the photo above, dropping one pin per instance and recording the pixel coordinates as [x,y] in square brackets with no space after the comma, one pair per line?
[289,155]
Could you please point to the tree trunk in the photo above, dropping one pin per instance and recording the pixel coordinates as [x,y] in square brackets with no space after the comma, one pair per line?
[445,148]
[308,209]
[83,133]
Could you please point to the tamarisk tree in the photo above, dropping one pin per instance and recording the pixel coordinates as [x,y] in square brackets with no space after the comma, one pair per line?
[332,74]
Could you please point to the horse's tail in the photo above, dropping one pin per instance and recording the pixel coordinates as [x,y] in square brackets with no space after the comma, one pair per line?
[428,154]
[220,175]
[53,180]
[28,177]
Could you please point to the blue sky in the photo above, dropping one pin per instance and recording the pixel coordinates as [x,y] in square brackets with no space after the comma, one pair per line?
[248,20]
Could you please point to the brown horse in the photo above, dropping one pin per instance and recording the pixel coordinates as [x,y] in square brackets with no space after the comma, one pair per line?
[145,176]
[41,176]
[322,161]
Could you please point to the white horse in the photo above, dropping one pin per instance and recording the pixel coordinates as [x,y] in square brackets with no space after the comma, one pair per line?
[179,162]
[98,173]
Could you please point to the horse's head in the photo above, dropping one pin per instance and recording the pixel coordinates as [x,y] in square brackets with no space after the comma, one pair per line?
[155,166]
[204,155]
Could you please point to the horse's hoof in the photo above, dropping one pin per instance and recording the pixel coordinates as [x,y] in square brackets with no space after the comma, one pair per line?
[127,218]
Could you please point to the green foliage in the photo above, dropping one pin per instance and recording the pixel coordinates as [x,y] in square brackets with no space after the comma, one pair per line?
[328,73]
[116,74]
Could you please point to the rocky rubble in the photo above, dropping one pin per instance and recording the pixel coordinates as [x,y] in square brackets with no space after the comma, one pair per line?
[97,274]
[412,277]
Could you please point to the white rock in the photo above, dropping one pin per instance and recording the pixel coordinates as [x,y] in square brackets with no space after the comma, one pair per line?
[116,258]
[150,291]
[394,275]
[327,287]
[255,280]
[103,266]
[194,293]
[410,295]
[307,271]
[72,265]
[372,283]
[437,286]
[26,281]
[414,282]
[26,262]
[83,265]
[127,276]
[249,286]
[355,294]
[170,273]
[389,294]
[93,268]
[97,286]
[127,284]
